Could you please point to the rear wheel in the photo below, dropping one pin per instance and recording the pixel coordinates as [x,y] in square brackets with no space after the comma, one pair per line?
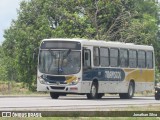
[54,95]
[93,92]
[130,93]
[100,95]
[157,97]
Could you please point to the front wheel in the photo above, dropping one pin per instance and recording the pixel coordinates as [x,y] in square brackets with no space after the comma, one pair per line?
[100,95]
[93,92]
[54,95]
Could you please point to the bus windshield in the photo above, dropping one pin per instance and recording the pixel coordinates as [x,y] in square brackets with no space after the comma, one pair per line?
[59,62]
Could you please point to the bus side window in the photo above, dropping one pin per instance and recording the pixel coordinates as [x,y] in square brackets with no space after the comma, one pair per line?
[114,53]
[104,57]
[96,58]
[149,58]
[141,59]
[132,58]
[86,58]
[123,57]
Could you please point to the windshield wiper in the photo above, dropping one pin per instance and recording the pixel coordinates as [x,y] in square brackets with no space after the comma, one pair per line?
[66,55]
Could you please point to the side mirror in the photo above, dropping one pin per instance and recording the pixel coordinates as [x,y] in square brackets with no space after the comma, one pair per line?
[35,54]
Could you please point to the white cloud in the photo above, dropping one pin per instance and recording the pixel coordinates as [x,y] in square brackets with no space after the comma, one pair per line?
[8,11]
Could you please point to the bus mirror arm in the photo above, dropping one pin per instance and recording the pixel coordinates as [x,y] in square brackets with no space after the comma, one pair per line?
[34,56]
[35,53]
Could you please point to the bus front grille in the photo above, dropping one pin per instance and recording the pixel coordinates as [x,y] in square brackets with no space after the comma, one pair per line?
[58,88]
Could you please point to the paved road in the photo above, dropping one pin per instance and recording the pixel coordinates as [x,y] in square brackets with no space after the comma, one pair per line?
[71,103]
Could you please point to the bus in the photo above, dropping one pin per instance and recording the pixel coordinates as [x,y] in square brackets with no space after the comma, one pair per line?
[94,68]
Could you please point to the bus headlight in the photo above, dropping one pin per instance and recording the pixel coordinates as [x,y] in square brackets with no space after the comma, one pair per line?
[41,80]
[74,82]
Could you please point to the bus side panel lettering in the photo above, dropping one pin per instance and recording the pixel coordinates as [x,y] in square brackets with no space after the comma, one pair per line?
[107,74]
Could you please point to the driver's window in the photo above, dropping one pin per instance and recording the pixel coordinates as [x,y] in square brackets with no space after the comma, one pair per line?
[86,58]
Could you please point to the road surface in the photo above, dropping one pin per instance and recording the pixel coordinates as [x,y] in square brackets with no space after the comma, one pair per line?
[71,103]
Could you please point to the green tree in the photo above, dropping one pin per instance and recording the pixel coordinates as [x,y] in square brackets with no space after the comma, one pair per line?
[118,20]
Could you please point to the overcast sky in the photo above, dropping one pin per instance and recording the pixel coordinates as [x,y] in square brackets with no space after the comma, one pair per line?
[8,11]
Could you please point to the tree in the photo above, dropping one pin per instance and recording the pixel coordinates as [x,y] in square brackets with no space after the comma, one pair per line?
[118,20]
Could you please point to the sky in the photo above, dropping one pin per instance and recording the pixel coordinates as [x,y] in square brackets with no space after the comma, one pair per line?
[8,11]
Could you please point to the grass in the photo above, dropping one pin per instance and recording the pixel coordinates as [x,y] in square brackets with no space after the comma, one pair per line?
[14,88]
[126,113]
[136,108]
[84,118]
[7,88]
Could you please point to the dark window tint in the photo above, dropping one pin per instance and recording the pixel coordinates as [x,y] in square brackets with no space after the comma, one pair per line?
[114,57]
[123,57]
[149,57]
[96,56]
[132,58]
[60,45]
[87,58]
[141,59]
[104,57]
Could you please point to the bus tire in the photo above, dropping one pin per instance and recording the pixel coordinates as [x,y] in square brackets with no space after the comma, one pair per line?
[100,95]
[130,93]
[54,95]
[157,97]
[93,92]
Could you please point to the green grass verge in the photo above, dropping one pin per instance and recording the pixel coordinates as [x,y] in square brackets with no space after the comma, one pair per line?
[14,88]
[84,118]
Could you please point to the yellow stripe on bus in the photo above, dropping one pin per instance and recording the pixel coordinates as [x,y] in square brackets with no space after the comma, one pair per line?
[139,75]
[69,79]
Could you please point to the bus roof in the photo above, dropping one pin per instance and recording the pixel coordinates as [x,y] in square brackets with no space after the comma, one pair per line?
[101,43]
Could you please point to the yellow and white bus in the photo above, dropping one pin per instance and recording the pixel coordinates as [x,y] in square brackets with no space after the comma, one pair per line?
[78,66]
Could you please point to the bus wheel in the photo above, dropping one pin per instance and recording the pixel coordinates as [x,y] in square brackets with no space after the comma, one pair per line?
[54,95]
[130,93]
[93,93]
[157,97]
[100,95]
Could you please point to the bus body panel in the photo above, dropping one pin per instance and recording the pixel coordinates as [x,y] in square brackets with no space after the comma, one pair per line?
[110,79]
[57,85]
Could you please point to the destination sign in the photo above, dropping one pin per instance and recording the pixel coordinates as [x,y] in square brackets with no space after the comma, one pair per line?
[61,45]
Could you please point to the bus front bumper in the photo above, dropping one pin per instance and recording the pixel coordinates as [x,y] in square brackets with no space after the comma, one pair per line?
[63,89]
